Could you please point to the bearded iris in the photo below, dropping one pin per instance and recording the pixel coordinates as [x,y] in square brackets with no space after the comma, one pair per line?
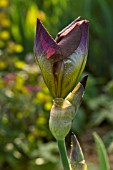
[62,60]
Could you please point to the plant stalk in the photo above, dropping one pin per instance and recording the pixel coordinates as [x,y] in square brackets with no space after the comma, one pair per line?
[63,154]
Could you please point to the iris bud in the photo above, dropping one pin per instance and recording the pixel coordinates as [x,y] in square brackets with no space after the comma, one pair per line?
[62,60]
[77,160]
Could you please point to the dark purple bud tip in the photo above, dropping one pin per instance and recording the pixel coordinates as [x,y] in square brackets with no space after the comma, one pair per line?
[76,151]
[44,43]
[84,81]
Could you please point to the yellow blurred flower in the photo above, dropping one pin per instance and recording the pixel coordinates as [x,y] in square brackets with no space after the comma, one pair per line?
[41,15]
[42,97]
[3,65]
[20,80]
[32,14]
[3,15]
[19,64]
[18,48]
[48,106]
[1,83]
[41,120]
[4,35]
[31,138]
[12,47]
[5,23]
[39,97]
[31,17]
[3,3]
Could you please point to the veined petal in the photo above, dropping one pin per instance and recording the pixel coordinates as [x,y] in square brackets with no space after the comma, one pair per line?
[69,38]
[75,63]
[44,48]
[44,43]
[60,34]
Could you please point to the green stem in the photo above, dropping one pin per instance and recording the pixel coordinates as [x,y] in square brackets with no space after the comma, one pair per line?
[63,154]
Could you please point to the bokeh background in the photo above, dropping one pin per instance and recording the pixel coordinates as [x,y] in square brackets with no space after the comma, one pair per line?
[25,139]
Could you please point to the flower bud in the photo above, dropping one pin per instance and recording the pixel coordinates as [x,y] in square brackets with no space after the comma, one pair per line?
[62,60]
[61,117]
[76,157]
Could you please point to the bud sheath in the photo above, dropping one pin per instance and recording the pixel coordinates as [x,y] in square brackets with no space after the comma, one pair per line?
[61,117]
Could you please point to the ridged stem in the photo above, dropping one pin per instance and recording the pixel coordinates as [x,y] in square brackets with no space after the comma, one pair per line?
[63,154]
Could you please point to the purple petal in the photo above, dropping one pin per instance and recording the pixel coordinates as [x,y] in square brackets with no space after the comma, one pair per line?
[69,38]
[72,36]
[59,35]
[44,43]
[45,48]
[84,39]
[75,55]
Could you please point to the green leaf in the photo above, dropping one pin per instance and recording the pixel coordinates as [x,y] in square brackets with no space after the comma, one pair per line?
[103,158]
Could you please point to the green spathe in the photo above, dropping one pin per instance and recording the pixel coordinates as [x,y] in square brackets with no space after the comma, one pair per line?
[61,117]
[63,112]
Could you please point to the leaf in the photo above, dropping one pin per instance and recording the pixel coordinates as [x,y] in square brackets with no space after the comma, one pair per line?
[103,158]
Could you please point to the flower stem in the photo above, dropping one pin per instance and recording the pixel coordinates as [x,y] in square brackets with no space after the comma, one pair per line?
[63,154]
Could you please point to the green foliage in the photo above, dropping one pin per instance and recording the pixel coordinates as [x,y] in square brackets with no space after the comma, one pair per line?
[108,140]
[103,159]
[99,104]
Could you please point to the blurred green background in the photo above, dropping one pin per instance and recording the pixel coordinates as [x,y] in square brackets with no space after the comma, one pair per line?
[25,139]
